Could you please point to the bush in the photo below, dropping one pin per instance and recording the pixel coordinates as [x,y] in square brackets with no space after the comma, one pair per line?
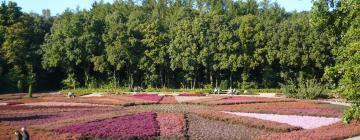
[224,84]
[266,90]
[352,113]
[304,89]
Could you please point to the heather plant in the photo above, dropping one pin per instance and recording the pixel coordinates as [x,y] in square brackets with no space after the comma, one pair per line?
[149,97]
[138,126]
[201,128]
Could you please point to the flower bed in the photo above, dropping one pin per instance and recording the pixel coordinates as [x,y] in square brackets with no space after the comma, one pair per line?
[148,97]
[13,103]
[140,126]
[247,121]
[335,131]
[68,121]
[201,128]
[60,104]
[192,94]
[171,124]
[168,107]
[306,122]
[287,108]
[43,117]
[104,100]
[205,100]
[168,99]
[7,133]
[246,100]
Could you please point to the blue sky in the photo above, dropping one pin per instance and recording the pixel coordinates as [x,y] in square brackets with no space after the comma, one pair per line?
[58,6]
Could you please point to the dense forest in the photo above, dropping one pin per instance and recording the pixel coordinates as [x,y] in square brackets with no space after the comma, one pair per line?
[181,44]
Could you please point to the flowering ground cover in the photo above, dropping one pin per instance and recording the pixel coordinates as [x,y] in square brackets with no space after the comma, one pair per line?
[168,99]
[149,97]
[306,122]
[53,116]
[191,94]
[183,108]
[172,125]
[288,108]
[60,104]
[203,129]
[205,100]
[140,125]
[247,121]
[123,100]
[7,133]
[331,132]
[246,100]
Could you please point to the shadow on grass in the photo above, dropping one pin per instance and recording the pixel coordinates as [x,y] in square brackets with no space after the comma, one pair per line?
[25,118]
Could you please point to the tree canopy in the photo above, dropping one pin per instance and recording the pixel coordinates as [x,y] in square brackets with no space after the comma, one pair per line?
[180,44]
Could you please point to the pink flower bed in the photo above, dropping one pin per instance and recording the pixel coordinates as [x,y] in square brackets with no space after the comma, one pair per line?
[13,103]
[306,122]
[171,124]
[194,94]
[43,117]
[148,97]
[287,108]
[60,104]
[168,99]
[243,99]
[138,126]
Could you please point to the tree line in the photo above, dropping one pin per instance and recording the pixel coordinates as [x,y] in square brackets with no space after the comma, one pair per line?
[180,44]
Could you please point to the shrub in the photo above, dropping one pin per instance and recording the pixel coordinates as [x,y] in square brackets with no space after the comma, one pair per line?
[304,89]
[266,90]
[224,84]
[352,113]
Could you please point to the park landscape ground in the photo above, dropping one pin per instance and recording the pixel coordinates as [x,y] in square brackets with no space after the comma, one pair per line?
[184,116]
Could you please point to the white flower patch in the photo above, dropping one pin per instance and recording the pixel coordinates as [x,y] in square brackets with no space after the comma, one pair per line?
[306,122]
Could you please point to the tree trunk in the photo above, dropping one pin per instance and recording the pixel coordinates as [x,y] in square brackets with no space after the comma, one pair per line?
[194,83]
[115,80]
[30,91]
[231,79]
[211,79]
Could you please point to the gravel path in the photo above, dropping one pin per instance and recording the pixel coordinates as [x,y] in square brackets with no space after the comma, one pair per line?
[306,122]
[93,95]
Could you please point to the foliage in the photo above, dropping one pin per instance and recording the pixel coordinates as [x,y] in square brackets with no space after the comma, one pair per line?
[304,89]
[351,114]
[71,81]
[266,90]
[183,46]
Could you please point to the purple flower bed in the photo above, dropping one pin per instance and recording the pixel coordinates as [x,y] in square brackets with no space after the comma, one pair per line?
[139,126]
[148,97]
